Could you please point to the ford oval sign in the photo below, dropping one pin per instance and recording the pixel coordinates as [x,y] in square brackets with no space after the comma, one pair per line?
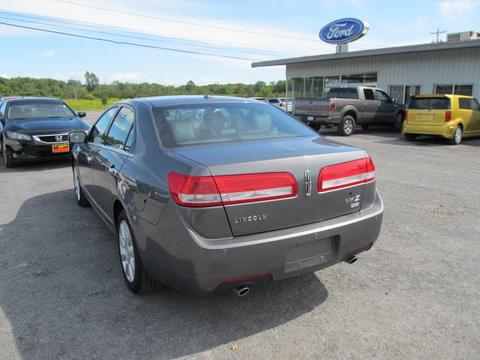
[343,31]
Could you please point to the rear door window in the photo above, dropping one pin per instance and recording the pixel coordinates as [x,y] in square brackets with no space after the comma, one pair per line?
[433,103]
[368,93]
[101,127]
[120,129]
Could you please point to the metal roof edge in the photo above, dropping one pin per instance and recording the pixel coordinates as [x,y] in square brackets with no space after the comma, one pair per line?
[373,52]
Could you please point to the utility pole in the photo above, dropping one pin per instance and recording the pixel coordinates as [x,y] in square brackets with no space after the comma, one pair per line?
[438,32]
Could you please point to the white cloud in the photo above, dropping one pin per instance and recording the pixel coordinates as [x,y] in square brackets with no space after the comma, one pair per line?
[45,54]
[5,76]
[454,8]
[133,77]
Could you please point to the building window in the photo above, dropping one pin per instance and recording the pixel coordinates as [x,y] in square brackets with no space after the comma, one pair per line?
[314,86]
[454,89]
[411,90]
[298,87]
[396,92]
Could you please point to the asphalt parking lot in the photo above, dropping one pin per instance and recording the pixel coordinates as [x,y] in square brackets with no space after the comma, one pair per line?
[414,295]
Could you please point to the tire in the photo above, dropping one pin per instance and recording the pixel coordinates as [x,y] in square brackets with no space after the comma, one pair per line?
[457,136]
[136,279]
[398,124]
[409,137]
[7,157]
[364,126]
[79,195]
[346,126]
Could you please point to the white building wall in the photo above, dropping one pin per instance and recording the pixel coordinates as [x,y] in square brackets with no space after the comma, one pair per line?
[425,69]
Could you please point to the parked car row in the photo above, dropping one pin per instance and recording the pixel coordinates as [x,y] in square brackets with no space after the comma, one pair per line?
[452,117]
[208,193]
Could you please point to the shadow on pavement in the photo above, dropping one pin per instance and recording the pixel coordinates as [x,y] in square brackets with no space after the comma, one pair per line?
[38,165]
[64,297]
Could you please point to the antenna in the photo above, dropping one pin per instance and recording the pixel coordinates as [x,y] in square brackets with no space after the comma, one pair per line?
[438,32]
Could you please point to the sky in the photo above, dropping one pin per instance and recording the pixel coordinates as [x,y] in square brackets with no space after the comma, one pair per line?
[236,32]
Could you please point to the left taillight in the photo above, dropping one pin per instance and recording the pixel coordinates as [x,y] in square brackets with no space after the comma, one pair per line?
[346,174]
[204,191]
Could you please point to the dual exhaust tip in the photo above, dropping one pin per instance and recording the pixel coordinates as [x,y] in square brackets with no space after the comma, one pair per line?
[244,290]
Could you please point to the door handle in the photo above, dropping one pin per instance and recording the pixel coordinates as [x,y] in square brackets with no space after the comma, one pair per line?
[113,171]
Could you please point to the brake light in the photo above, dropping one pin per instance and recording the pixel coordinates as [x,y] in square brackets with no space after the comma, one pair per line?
[204,191]
[406,117]
[331,106]
[346,174]
[448,116]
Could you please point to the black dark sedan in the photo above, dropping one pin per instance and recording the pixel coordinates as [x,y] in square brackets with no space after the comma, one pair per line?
[36,128]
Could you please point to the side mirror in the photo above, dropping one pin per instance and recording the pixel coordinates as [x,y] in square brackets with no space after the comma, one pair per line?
[81,114]
[77,137]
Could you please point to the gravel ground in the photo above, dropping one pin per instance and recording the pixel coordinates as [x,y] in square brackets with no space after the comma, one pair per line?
[414,295]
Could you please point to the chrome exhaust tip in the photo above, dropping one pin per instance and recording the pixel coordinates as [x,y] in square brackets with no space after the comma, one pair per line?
[242,290]
[352,259]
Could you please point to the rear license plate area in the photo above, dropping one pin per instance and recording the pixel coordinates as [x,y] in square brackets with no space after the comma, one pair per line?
[309,254]
[60,148]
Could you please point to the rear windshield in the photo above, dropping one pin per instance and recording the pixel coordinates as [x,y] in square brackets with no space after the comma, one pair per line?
[34,110]
[343,93]
[433,103]
[215,123]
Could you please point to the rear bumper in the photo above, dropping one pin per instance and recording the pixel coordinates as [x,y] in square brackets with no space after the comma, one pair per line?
[321,119]
[185,260]
[446,130]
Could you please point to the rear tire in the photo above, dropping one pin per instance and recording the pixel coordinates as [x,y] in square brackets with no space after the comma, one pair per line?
[134,274]
[457,136]
[346,126]
[398,124]
[79,195]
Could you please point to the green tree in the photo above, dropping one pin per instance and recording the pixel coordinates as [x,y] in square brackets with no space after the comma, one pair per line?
[91,81]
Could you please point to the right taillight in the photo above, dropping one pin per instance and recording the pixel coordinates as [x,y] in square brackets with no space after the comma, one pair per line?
[346,174]
[331,106]
[204,191]
[448,116]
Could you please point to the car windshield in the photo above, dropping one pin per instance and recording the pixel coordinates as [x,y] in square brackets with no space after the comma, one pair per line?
[433,103]
[35,110]
[215,123]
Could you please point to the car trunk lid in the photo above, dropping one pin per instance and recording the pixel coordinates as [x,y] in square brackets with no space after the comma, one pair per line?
[303,159]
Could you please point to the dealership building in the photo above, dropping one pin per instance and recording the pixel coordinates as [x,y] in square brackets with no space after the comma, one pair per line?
[451,67]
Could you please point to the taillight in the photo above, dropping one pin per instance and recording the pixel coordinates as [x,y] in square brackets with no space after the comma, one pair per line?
[346,174]
[203,191]
[331,106]
[448,116]
[406,117]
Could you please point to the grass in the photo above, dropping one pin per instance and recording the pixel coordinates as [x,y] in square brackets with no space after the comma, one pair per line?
[89,105]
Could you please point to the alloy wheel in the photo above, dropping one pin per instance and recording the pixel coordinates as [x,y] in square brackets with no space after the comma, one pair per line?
[127,252]
[348,126]
[76,183]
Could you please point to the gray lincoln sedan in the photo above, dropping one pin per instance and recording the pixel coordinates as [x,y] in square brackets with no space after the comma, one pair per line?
[207,193]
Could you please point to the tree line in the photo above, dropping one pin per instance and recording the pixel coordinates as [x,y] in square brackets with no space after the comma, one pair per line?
[92,89]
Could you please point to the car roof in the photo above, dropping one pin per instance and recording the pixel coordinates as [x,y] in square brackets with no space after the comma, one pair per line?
[162,101]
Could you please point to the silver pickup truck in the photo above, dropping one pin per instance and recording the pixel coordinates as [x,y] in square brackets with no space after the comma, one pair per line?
[347,106]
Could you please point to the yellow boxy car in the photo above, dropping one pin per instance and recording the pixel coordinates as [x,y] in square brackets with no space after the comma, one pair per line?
[450,116]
